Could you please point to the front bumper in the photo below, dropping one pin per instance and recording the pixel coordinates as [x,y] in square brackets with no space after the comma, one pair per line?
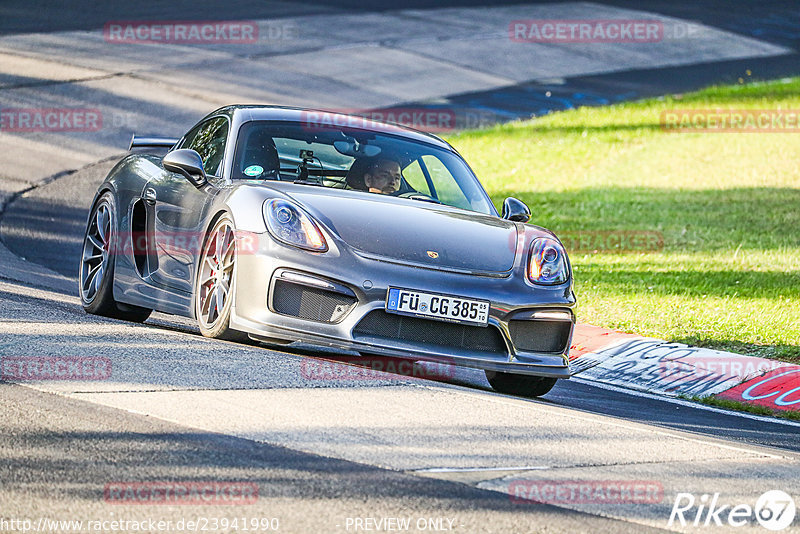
[348,295]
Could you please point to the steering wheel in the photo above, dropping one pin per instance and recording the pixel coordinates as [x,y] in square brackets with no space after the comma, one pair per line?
[416,195]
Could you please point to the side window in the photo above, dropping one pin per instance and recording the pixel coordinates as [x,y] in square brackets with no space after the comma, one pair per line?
[416,178]
[209,141]
[447,188]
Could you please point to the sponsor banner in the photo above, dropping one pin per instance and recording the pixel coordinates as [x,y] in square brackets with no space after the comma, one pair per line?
[171,493]
[730,120]
[27,368]
[181,32]
[50,120]
[657,366]
[778,389]
[687,368]
[586,491]
[585,31]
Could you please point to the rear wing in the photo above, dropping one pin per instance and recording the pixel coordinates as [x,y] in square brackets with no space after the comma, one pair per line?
[152,142]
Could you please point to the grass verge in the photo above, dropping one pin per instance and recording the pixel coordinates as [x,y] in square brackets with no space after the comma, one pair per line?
[723,270]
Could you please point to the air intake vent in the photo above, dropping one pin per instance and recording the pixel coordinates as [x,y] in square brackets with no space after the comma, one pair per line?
[310,303]
[540,336]
[431,333]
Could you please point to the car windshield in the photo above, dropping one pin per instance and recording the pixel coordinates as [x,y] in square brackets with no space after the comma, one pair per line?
[356,159]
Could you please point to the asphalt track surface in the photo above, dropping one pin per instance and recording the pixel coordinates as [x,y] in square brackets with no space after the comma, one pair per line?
[774,21]
[59,451]
[779,25]
[46,227]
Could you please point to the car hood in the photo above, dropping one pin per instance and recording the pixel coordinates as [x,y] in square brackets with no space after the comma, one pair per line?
[408,231]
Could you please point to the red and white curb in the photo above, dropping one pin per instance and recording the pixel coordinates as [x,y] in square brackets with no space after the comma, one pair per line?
[656,366]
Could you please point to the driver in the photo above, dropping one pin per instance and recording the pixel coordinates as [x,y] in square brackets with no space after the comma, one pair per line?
[383,177]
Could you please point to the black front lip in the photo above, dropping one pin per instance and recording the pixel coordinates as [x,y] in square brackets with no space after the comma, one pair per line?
[512,360]
[377,348]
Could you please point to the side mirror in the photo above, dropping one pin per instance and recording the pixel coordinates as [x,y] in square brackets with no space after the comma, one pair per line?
[516,210]
[188,163]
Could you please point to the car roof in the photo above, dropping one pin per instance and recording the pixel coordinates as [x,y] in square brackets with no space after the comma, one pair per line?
[243,113]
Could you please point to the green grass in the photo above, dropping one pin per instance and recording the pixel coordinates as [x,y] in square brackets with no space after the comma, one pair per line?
[756,409]
[726,204]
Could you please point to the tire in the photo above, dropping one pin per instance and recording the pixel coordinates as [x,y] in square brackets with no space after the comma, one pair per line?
[214,283]
[96,276]
[520,385]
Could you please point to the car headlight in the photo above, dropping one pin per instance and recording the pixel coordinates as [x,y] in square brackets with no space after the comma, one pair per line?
[290,224]
[548,262]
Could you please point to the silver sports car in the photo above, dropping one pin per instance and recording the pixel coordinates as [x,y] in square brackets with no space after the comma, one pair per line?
[284,225]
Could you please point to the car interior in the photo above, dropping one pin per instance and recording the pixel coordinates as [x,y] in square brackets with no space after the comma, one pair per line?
[339,159]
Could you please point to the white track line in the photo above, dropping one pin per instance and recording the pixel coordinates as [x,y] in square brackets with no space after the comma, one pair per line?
[481,469]
[690,404]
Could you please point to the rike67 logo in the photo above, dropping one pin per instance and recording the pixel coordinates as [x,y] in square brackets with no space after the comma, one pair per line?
[774,510]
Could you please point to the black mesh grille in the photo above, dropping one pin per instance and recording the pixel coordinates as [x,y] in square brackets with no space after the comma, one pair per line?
[540,336]
[434,333]
[310,302]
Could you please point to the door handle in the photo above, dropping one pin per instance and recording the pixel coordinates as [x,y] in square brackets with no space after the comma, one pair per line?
[150,195]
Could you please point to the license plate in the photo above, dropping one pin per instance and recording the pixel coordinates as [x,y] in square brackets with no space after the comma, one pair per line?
[436,306]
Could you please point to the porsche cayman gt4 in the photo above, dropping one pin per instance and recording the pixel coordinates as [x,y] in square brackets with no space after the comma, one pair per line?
[288,225]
